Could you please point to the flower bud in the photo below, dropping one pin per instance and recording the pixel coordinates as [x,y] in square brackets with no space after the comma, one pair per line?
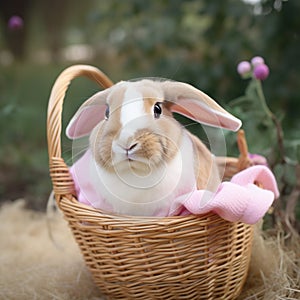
[257,159]
[257,60]
[15,23]
[261,71]
[243,67]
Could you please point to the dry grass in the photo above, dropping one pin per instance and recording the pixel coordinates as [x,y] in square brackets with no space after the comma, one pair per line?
[32,267]
[275,267]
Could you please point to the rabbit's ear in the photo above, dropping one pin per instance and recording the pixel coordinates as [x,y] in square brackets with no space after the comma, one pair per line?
[90,113]
[196,105]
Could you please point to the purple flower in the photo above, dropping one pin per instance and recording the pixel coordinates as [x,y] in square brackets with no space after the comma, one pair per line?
[15,23]
[243,67]
[257,159]
[261,71]
[257,60]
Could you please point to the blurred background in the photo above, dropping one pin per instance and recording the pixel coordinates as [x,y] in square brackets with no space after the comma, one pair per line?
[195,41]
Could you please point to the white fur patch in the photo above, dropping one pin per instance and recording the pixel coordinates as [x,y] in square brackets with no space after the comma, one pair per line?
[132,107]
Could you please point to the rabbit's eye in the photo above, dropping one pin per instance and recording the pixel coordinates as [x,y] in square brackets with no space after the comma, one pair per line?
[157,110]
[107,112]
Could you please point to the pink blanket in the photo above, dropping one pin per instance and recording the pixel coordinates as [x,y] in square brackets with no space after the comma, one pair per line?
[237,200]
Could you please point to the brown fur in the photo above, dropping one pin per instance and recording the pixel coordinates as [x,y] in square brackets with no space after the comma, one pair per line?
[149,103]
[204,165]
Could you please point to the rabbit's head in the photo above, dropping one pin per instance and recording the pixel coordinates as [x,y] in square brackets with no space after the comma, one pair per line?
[131,124]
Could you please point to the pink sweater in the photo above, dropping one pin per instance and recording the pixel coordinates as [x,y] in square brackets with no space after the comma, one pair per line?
[237,200]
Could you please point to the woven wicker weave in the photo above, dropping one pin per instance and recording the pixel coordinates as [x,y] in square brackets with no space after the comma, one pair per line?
[190,257]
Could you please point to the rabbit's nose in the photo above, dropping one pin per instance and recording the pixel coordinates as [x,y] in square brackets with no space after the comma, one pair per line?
[131,150]
[128,149]
[132,147]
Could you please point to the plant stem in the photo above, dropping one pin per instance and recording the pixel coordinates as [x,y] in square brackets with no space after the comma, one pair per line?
[279,130]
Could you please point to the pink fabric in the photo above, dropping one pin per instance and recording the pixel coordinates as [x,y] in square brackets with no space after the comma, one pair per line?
[82,173]
[237,200]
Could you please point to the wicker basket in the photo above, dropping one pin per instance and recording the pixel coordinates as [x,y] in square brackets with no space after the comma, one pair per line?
[181,257]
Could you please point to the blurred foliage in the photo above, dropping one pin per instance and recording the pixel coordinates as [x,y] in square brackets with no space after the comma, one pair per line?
[283,154]
[195,41]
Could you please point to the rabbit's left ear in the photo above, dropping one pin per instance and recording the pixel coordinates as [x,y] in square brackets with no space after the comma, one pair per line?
[196,105]
[90,113]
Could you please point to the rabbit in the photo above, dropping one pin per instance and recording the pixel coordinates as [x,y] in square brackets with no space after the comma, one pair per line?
[141,157]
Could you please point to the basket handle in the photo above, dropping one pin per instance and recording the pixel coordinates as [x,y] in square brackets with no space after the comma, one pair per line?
[243,161]
[54,117]
[62,181]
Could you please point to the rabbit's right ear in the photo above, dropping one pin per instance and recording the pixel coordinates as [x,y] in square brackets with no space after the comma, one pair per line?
[196,105]
[90,113]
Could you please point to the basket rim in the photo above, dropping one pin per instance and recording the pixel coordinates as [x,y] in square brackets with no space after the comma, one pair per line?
[84,209]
